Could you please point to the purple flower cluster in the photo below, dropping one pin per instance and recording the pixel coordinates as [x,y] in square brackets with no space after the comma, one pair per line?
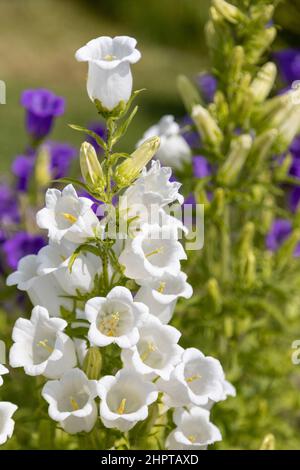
[279,232]
[288,61]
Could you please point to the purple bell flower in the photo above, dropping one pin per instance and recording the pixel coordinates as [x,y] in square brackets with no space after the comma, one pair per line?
[21,244]
[22,168]
[61,157]
[42,107]
[279,232]
[208,86]
[9,212]
[288,61]
[201,167]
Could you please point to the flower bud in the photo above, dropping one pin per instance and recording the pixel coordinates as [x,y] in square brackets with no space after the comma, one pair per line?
[188,92]
[259,44]
[261,148]
[286,251]
[290,127]
[92,363]
[268,442]
[230,12]
[130,169]
[42,168]
[282,170]
[236,159]
[90,167]
[207,126]
[263,82]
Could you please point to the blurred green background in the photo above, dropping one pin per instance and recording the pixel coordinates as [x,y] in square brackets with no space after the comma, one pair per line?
[38,39]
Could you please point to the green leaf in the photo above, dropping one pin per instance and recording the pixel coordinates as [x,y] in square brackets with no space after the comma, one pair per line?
[92,134]
[79,249]
[68,180]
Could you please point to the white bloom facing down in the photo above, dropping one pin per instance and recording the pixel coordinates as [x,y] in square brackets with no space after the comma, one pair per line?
[160,295]
[156,352]
[54,258]
[3,371]
[115,318]
[125,399]
[40,346]
[71,401]
[43,290]
[109,75]
[195,380]
[68,216]
[174,150]
[193,431]
[155,251]
[7,424]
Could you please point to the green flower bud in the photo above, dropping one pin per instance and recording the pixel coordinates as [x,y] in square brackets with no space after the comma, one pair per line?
[282,169]
[268,442]
[42,168]
[218,203]
[286,251]
[261,149]
[188,92]
[207,126]
[130,169]
[236,65]
[229,12]
[238,153]
[92,363]
[259,43]
[90,167]
[264,82]
[290,127]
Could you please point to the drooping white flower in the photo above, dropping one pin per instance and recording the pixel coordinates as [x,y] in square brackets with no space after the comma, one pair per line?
[195,380]
[156,352]
[125,398]
[109,75]
[40,346]
[67,215]
[43,290]
[193,431]
[71,401]
[81,349]
[115,318]
[54,258]
[3,371]
[160,295]
[174,150]
[154,252]
[7,424]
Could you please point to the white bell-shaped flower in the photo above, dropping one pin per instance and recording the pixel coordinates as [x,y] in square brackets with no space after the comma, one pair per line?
[67,215]
[115,318]
[174,150]
[40,346]
[155,251]
[193,431]
[7,424]
[3,371]
[156,352]
[160,295]
[71,401]
[43,290]
[54,258]
[125,399]
[109,75]
[195,380]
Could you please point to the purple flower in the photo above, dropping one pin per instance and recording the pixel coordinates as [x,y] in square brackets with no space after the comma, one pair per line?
[295,147]
[99,129]
[294,198]
[288,61]
[9,212]
[61,156]
[279,232]
[22,168]
[191,136]
[208,86]
[201,167]
[21,244]
[42,107]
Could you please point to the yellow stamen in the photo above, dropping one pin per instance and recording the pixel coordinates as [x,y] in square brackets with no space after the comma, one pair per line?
[69,217]
[74,404]
[110,57]
[155,252]
[193,378]
[161,287]
[110,324]
[121,408]
[151,348]
[192,438]
[44,344]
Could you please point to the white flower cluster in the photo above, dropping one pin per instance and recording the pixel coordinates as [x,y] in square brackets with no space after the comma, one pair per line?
[135,320]
[7,410]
